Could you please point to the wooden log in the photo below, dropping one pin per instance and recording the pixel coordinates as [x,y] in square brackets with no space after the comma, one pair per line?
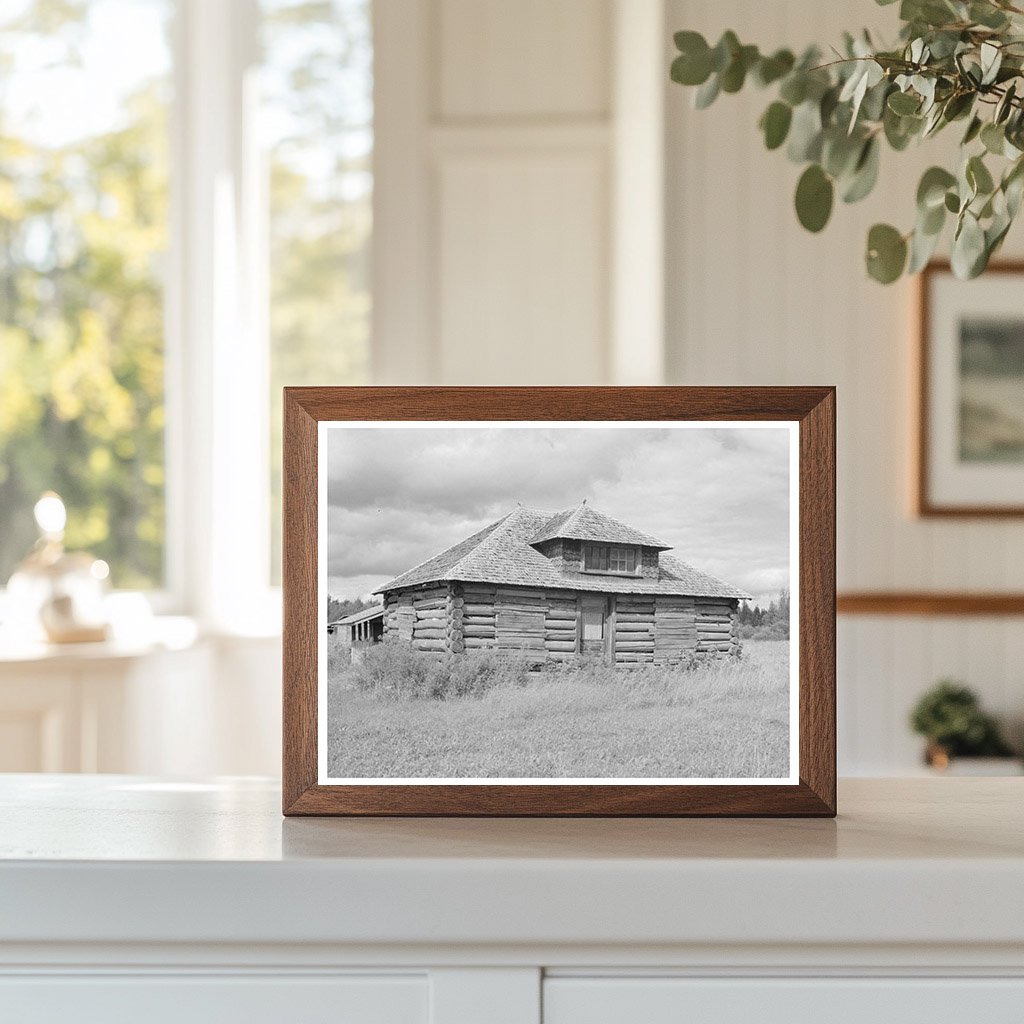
[471,629]
[430,634]
[520,595]
[634,627]
[480,643]
[478,609]
[477,621]
[560,645]
[428,645]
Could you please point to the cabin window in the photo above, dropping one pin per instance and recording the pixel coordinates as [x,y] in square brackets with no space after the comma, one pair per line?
[593,623]
[617,559]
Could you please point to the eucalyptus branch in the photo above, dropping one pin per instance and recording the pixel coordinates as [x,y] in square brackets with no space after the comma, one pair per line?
[954,60]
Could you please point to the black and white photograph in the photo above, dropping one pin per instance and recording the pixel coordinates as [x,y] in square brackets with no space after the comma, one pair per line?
[558,602]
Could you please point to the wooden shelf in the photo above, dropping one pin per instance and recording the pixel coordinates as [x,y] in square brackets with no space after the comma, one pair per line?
[928,603]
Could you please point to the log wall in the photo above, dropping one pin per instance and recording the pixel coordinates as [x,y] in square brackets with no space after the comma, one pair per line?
[632,622]
[675,629]
[716,625]
[458,617]
[520,617]
[478,618]
[561,626]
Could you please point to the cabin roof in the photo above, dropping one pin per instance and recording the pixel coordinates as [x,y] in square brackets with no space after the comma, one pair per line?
[586,523]
[372,612]
[503,553]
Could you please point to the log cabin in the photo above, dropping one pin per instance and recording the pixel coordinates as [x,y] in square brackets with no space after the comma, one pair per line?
[561,586]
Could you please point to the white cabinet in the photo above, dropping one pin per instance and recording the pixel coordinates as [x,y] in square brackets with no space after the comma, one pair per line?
[200,999]
[126,899]
[829,1000]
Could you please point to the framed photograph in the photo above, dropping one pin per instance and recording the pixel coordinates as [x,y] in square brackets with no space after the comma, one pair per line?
[970,451]
[559,601]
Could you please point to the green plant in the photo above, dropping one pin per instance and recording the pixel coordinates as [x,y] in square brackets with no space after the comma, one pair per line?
[950,717]
[956,61]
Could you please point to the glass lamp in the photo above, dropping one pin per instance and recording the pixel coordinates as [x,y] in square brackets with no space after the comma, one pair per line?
[55,595]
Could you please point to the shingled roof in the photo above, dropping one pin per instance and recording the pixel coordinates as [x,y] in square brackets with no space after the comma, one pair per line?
[586,523]
[503,553]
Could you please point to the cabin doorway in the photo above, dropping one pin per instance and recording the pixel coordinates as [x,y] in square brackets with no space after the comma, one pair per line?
[595,626]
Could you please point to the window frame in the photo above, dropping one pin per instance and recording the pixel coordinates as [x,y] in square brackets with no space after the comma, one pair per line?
[589,546]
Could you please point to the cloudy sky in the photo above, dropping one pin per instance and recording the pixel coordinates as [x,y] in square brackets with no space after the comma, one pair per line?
[397,496]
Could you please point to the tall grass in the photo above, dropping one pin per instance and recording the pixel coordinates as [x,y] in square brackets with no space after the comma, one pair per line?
[395,671]
[490,716]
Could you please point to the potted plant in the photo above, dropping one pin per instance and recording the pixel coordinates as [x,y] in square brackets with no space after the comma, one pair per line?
[956,62]
[950,717]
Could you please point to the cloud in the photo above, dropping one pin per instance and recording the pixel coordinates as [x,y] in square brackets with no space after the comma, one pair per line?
[719,496]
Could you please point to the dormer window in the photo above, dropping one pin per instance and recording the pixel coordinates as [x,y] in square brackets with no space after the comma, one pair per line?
[613,559]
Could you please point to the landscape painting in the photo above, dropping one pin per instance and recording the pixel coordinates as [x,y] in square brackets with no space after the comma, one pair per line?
[542,602]
[992,389]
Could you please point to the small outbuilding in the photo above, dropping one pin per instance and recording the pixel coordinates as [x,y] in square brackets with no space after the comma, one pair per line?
[366,626]
[561,586]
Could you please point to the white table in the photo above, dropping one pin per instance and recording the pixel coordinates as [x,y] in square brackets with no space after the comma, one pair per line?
[125,898]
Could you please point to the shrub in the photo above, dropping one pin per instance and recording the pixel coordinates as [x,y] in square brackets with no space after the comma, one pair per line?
[949,715]
[400,672]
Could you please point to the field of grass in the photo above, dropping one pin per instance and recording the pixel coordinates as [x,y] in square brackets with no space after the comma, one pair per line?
[720,720]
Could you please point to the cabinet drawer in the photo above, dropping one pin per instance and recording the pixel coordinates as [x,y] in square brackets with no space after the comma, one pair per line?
[202,999]
[654,1000]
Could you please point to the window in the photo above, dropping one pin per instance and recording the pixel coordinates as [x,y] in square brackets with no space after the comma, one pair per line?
[317,126]
[616,559]
[83,239]
[185,225]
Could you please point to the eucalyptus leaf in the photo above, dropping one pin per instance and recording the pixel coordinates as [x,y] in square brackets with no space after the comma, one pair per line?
[903,103]
[991,61]
[771,69]
[968,248]
[707,93]
[931,190]
[724,51]
[865,173]
[1005,105]
[973,130]
[814,196]
[922,248]
[775,124]
[794,88]
[886,253]
[978,176]
[987,15]
[805,133]
[993,138]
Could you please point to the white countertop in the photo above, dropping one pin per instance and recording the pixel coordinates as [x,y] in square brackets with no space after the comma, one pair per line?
[119,859]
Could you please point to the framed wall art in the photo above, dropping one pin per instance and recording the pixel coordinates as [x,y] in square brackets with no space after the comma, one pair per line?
[970,445]
[559,601]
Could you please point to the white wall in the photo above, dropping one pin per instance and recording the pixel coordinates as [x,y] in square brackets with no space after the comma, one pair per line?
[501,132]
[518,240]
[754,299]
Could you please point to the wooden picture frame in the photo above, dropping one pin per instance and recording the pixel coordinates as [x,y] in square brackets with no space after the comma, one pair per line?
[810,791]
[940,490]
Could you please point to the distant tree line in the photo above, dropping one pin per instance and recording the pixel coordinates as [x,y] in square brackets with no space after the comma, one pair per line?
[338,609]
[771,623]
